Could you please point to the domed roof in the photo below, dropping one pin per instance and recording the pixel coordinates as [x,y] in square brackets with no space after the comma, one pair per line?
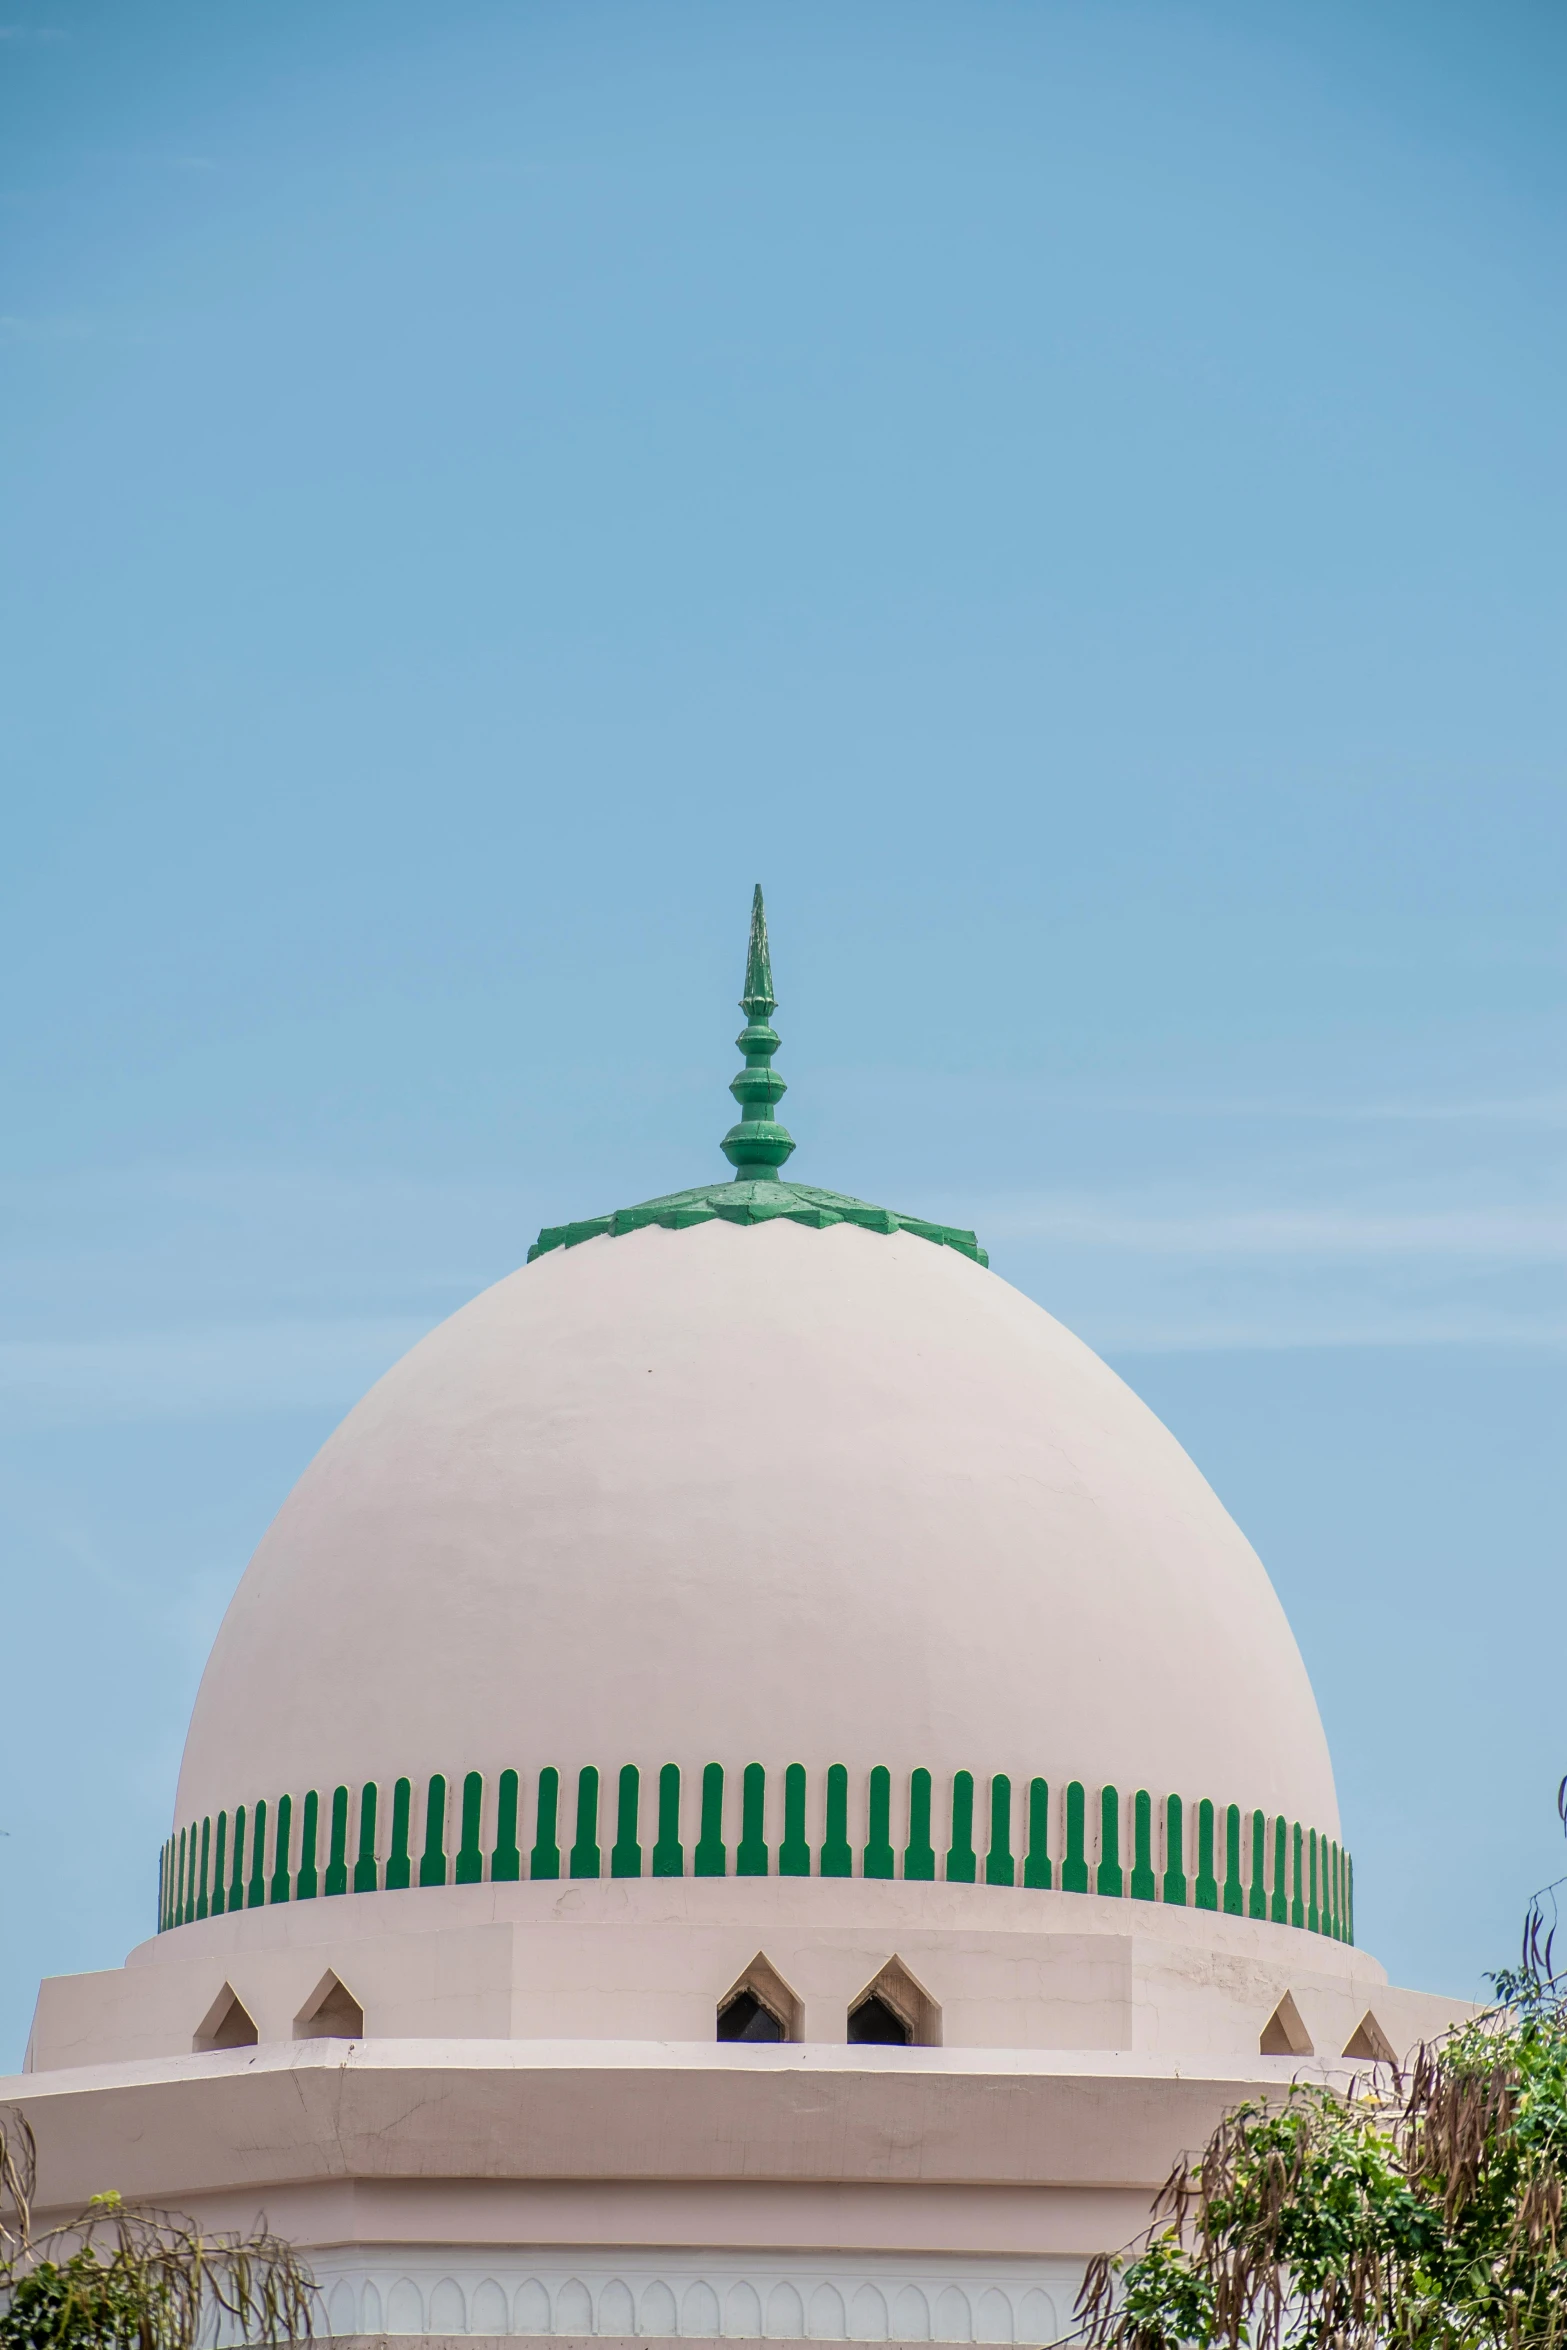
[756,1493]
[785,1516]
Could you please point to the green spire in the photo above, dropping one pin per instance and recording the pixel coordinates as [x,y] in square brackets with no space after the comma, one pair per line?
[757,1147]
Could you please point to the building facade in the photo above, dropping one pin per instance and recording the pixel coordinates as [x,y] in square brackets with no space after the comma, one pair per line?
[751,1790]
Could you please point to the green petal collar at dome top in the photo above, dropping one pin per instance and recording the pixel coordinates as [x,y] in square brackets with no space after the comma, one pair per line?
[756,1147]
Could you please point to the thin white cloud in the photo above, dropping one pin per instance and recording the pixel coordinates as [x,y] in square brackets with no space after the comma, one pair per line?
[1282,1334]
[215,1372]
[1521,1235]
[1545,1109]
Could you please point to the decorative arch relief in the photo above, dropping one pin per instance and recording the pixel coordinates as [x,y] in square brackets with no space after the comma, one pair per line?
[618,2295]
[228,2023]
[749,1822]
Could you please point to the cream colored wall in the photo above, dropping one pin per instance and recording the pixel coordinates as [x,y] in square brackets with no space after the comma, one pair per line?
[1020,2153]
[756,1493]
[650,1959]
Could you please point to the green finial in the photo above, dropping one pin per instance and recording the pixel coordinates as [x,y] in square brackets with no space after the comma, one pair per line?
[758,1146]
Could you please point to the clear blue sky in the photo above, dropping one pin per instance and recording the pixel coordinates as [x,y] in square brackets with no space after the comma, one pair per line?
[1071,496]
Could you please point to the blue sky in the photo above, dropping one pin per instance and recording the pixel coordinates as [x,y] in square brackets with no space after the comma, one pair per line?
[1071,497]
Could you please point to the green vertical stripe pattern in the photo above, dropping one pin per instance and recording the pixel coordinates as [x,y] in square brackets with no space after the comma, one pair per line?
[669,1857]
[878,1860]
[585,1859]
[236,1883]
[1109,1878]
[1036,1868]
[307,1883]
[366,1861]
[837,1855]
[337,1850]
[1306,1880]
[751,1851]
[1234,1896]
[256,1893]
[470,1853]
[1145,1885]
[1207,1888]
[1174,1851]
[1257,1899]
[1000,1867]
[432,1861]
[960,1852]
[282,1855]
[626,1858]
[506,1859]
[794,1853]
[1074,1868]
[711,1858]
[399,1861]
[919,1854]
[544,1859]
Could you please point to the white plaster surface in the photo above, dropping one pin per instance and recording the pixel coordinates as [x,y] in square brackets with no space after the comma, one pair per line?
[619,2292]
[650,1959]
[756,1493]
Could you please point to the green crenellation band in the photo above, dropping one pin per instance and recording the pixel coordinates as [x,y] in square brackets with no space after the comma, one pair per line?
[1282,1872]
[755,1202]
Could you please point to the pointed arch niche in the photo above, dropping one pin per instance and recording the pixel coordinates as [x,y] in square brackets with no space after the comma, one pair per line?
[894,2010]
[228,2023]
[330,2013]
[760,2006]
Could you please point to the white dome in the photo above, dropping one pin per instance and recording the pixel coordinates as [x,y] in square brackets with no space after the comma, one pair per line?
[755,1494]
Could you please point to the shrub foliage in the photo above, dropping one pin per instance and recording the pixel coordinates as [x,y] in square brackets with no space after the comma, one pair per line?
[119,2279]
[1420,2210]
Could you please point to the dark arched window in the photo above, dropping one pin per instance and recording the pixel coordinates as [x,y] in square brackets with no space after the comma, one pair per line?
[873,2023]
[745,2018]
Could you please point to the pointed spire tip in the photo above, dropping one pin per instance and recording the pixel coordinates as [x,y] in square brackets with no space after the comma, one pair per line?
[757,1147]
